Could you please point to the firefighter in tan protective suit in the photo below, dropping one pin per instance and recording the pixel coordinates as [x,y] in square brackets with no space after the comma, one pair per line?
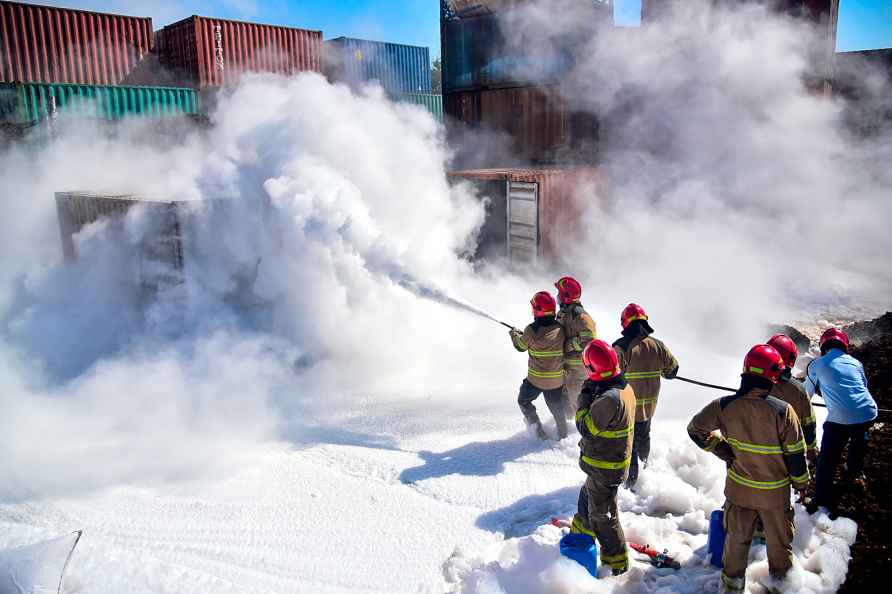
[792,391]
[760,439]
[606,422]
[645,360]
[544,341]
[579,330]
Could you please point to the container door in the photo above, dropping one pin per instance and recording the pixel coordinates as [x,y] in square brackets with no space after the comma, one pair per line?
[523,221]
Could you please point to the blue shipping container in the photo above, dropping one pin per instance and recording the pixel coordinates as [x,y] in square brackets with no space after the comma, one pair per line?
[396,67]
[478,56]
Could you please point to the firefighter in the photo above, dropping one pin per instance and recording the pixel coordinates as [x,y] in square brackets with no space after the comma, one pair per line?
[606,422]
[851,412]
[544,341]
[579,330]
[792,391]
[760,439]
[645,360]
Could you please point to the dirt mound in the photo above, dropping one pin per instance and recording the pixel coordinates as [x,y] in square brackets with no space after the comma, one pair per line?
[862,332]
[803,343]
[871,505]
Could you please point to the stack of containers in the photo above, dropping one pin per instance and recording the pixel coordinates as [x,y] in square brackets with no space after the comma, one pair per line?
[403,71]
[495,87]
[57,60]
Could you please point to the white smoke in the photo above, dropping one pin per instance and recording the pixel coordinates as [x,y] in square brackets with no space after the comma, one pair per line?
[317,213]
[734,198]
[735,195]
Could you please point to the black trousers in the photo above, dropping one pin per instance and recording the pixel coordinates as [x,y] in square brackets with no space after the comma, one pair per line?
[640,449]
[554,400]
[834,441]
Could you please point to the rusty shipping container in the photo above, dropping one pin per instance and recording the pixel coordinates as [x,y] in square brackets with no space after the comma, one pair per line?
[208,52]
[535,125]
[159,254]
[61,45]
[530,212]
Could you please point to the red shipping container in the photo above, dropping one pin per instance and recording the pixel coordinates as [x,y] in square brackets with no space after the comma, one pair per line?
[539,125]
[208,52]
[61,45]
[532,212]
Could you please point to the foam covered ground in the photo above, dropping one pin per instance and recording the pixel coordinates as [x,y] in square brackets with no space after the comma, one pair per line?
[399,500]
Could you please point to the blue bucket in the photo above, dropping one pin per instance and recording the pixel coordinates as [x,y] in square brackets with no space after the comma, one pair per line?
[582,549]
[716,543]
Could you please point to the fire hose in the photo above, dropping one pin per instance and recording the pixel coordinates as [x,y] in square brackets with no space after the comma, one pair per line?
[726,389]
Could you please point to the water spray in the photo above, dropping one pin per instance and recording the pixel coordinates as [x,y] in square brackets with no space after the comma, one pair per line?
[432,293]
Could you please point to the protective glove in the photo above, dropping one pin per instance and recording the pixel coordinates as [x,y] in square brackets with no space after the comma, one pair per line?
[672,373]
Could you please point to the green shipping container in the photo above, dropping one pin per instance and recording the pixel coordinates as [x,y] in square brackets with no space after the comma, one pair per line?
[28,104]
[432,102]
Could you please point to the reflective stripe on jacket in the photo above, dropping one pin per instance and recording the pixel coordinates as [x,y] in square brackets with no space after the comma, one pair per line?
[645,362]
[760,436]
[545,345]
[606,422]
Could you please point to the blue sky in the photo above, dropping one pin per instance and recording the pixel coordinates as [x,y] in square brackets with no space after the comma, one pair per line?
[863,24]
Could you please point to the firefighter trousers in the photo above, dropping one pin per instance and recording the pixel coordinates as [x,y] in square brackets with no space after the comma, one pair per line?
[554,400]
[598,516]
[640,449]
[573,379]
[740,523]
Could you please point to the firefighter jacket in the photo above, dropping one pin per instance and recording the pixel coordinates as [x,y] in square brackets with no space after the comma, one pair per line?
[579,330]
[793,393]
[645,360]
[606,422]
[544,341]
[760,439]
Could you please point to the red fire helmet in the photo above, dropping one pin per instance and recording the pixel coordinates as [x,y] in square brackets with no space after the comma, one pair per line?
[601,361]
[569,289]
[784,345]
[632,312]
[835,334]
[543,304]
[764,360]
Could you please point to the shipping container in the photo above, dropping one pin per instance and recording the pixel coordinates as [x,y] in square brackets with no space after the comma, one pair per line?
[432,102]
[535,125]
[209,52]
[61,45]
[864,80]
[31,103]
[531,212]
[485,49]
[159,254]
[396,67]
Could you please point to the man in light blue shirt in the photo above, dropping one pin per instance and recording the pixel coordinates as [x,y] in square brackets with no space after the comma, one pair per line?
[851,411]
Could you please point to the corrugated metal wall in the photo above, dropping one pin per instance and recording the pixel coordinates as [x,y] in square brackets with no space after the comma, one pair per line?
[561,196]
[430,101]
[396,67]
[45,44]
[214,52]
[539,124]
[30,103]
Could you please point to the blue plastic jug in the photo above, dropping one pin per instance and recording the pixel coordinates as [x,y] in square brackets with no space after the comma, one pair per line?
[582,549]
[716,543]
